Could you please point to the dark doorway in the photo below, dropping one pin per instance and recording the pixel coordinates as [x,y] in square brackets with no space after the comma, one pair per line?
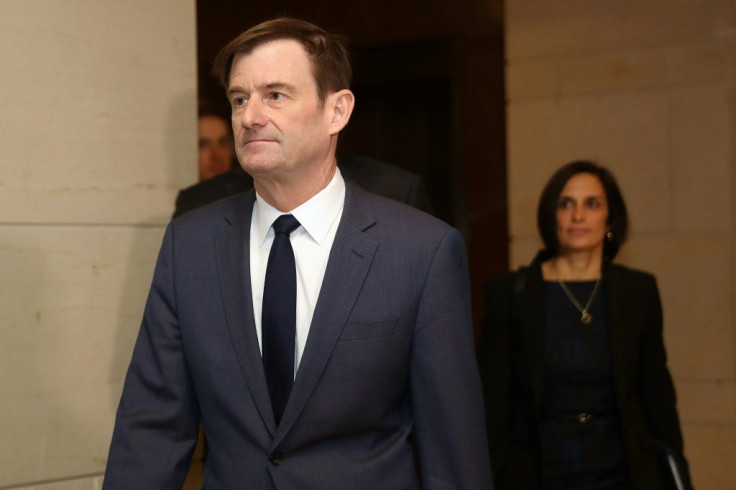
[430,98]
[404,116]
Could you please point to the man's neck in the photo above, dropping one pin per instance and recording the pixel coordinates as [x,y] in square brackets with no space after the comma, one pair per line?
[292,192]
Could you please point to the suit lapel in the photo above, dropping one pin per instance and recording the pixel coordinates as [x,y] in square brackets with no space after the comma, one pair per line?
[350,259]
[533,310]
[233,270]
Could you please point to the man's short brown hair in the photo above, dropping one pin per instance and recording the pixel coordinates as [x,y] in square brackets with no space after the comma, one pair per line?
[328,52]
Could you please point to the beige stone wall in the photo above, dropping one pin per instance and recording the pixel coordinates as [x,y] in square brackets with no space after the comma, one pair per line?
[98,131]
[647,88]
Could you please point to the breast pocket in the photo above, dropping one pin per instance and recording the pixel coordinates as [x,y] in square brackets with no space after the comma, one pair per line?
[369,330]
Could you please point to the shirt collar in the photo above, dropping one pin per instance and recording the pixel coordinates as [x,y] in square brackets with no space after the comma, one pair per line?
[316,215]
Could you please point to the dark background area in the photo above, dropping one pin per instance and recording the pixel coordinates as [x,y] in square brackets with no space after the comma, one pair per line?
[429,87]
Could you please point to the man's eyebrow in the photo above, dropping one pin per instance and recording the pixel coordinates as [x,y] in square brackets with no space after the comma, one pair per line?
[277,85]
[233,89]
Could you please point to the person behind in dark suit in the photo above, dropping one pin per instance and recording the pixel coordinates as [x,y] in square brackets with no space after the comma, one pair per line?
[373,175]
[321,333]
[215,143]
[573,363]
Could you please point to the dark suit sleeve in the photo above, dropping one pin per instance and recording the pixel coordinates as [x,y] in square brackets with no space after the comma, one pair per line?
[495,361]
[158,416]
[656,390]
[445,385]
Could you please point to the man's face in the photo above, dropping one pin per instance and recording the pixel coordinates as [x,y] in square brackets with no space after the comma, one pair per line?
[281,128]
[215,147]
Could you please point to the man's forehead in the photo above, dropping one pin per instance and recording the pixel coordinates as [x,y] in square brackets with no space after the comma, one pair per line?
[277,61]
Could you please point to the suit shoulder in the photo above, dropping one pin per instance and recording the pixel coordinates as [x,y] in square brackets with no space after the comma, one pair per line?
[501,282]
[198,217]
[630,272]
[631,276]
[227,180]
[401,214]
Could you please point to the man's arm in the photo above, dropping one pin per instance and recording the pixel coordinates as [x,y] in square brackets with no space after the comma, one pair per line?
[158,416]
[446,392]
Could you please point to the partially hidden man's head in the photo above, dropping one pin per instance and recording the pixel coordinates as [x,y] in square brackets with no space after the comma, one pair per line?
[215,143]
[328,52]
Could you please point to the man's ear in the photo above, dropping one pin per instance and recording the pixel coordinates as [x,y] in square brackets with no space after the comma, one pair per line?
[341,103]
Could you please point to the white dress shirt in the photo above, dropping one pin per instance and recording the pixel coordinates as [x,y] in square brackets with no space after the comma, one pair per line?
[312,241]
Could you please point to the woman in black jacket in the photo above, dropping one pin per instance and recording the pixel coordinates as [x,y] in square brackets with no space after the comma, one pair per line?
[577,389]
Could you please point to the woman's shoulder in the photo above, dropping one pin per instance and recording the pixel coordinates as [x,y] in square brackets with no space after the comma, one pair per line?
[501,280]
[618,272]
[507,279]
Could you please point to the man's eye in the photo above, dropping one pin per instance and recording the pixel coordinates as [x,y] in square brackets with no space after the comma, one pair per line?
[239,101]
[276,96]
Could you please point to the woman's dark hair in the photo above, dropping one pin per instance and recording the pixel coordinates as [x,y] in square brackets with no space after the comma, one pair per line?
[618,220]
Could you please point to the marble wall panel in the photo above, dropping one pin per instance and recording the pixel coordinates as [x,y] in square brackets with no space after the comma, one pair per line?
[702,62]
[99,115]
[531,79]
[694,276]
[70,308]
[709,449]
[620,70]
[535,28]
[657,66]
[706,400]
[702,156]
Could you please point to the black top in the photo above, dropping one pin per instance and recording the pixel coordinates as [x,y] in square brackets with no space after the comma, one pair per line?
[580,433]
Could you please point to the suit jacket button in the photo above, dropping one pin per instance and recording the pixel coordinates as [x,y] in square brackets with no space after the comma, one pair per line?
[276,458]
[584,418]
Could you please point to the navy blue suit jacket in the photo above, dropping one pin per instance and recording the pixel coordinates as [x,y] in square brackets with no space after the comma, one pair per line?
[388,374]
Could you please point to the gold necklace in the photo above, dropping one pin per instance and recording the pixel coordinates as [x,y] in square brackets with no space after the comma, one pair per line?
[585,315]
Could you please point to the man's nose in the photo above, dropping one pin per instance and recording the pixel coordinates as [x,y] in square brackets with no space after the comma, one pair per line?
[253,114]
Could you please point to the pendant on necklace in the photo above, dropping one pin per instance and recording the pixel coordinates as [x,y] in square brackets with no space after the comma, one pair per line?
[586,318]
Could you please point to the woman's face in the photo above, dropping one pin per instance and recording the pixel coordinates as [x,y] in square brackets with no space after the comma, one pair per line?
[582,215]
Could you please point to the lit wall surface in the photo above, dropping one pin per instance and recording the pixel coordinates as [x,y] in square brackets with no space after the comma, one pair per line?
[98,132]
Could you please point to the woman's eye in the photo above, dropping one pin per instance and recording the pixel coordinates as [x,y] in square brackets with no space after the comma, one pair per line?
[564,203]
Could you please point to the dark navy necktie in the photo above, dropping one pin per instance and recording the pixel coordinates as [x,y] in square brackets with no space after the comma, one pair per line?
[278,320]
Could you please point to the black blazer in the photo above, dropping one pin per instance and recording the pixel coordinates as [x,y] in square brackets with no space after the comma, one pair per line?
[375,176]
[511,356]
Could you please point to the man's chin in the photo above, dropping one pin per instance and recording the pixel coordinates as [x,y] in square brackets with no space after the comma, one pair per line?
[257,166]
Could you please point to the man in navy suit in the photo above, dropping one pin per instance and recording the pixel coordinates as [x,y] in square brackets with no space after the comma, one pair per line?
[383,390]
